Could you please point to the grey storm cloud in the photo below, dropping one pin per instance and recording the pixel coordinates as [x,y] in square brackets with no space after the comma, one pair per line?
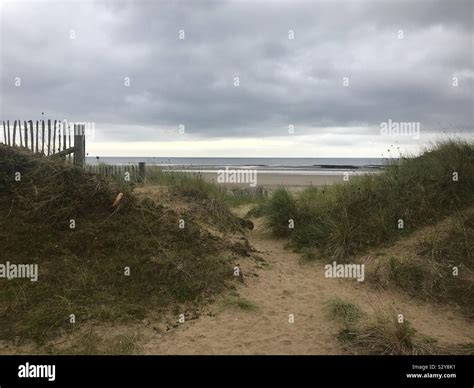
[282,81]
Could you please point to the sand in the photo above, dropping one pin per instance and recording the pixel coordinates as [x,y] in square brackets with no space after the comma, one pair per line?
[281,286]
[294,182]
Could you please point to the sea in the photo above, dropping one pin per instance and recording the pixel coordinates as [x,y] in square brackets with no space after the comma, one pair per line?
[303,166]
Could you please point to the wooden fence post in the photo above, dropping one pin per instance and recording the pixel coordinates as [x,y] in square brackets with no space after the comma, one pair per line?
[26,133]
[37,136]
[10,143]
[19,134]
[4,133]
[64,135]
[42,137]
[141,171]
[31,135]
[79,145]
[49,137]
[54,138]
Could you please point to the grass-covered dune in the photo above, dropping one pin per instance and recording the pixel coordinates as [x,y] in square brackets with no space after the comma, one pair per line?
[413,224]
[372,210]
[194,186]
[83,269]
[436,262]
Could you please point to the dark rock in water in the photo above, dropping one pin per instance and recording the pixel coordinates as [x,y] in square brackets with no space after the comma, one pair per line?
[245,223]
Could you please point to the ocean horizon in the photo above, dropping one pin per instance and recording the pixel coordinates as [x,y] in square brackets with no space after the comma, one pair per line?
[261,163]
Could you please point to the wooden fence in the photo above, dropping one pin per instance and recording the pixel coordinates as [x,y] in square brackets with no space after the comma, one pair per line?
[56,138]
[53,138]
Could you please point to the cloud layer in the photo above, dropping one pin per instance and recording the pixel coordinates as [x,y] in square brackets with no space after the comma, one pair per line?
[127,70]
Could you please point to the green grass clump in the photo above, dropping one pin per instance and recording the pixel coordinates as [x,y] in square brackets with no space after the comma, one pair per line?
[239,303]
[407,274]
[279,210]
[345,312]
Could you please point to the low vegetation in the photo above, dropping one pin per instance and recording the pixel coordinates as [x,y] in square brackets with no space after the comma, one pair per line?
[379,333]
[383,334]
[436,264]
[237,302]
[193,185]
[97,262]
[344,312]
[90,343]
[377,209]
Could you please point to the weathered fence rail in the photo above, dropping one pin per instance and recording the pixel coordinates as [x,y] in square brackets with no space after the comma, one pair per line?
[48,137]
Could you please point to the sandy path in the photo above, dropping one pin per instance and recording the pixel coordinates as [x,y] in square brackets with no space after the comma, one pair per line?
[283,287]
[280,289]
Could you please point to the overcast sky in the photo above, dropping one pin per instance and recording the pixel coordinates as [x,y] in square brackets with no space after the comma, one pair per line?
[123,66]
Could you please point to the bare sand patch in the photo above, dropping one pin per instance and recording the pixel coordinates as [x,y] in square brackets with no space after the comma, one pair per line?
[270,180]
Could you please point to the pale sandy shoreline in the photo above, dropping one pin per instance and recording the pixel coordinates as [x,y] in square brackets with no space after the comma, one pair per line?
[272,180]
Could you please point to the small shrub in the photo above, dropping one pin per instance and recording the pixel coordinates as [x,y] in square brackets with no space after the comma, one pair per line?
[280,209]
[345,312]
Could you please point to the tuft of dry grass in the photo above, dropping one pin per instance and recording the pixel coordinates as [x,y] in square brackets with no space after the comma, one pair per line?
[383,334]
[380,333]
